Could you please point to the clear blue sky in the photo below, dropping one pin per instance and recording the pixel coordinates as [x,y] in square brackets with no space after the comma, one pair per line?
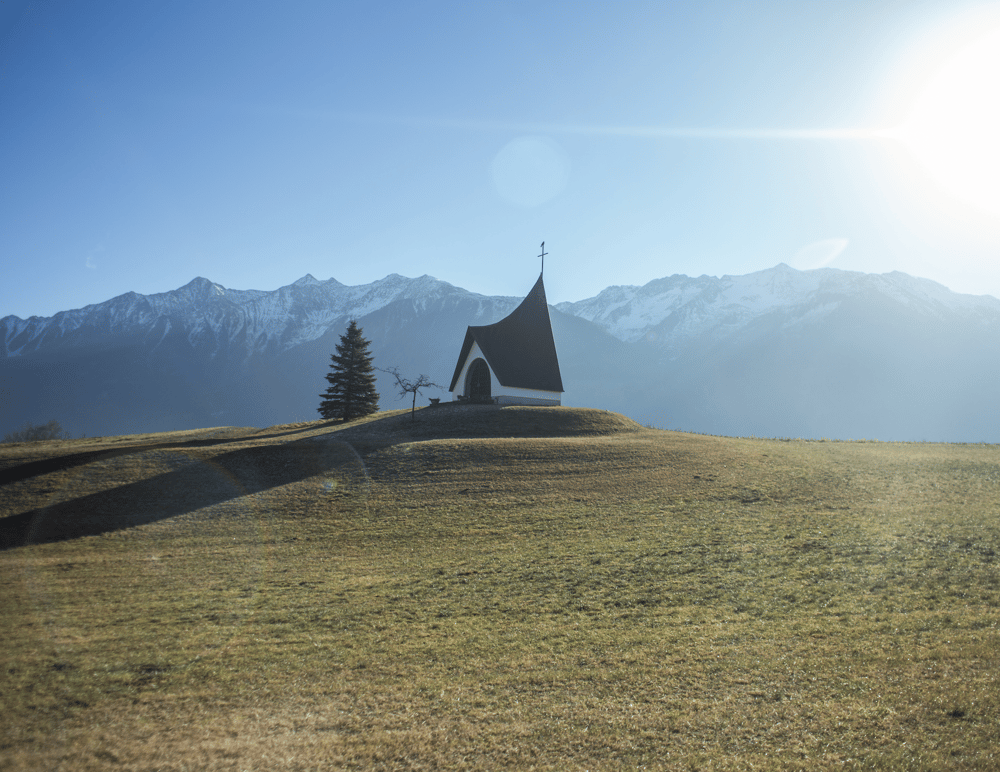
[145,143]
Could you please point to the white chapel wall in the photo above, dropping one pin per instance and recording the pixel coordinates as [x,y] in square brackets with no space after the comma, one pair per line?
[509,395]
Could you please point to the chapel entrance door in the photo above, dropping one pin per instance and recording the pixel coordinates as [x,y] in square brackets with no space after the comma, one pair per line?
[479,388]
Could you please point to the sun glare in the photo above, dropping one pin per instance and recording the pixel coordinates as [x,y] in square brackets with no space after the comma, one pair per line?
[953,126]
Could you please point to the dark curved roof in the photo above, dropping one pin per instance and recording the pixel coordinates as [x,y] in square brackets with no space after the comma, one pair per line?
[519,348]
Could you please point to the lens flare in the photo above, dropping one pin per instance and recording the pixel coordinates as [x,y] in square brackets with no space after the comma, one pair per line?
[818,254]
[529,171]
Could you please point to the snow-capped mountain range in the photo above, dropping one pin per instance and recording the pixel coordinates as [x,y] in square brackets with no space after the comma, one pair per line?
[689,307]
[780,351]
[208,312]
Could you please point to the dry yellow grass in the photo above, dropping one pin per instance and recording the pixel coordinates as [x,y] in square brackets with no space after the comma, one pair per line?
[483,588]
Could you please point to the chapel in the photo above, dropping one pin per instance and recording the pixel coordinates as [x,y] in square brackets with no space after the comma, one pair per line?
[513,361]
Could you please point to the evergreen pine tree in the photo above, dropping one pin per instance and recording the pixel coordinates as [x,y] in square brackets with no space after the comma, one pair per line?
[352,391]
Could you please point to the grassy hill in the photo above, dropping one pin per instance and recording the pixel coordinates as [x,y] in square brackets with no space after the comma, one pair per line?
[483,587]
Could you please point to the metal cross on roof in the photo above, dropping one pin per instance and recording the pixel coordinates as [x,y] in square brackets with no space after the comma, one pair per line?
[544,253]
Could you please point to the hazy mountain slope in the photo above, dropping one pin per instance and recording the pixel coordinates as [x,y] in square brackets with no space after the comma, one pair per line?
[206,355]
[864,371]
[819,353]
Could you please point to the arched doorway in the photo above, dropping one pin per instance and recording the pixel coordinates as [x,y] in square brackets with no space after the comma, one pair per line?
[477,382]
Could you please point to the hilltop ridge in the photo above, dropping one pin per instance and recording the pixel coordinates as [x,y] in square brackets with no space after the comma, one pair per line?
[451,420]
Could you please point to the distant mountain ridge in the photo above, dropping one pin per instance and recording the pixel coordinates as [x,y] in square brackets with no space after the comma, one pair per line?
[297,313]
[680,306]
[777,352]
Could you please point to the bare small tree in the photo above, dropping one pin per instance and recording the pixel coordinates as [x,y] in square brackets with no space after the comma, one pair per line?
[410,387]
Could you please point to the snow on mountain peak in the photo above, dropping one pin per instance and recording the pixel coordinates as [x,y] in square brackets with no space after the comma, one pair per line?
[201,284]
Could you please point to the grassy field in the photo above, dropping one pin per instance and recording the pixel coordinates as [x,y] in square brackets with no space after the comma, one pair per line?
[485,588]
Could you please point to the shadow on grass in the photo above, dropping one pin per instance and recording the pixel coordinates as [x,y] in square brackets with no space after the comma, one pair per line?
[191,485]
[251,469]
[60,463]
